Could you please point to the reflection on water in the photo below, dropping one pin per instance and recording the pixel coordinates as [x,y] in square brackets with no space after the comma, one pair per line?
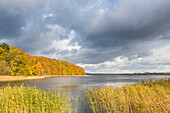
[71,86]
[74,85]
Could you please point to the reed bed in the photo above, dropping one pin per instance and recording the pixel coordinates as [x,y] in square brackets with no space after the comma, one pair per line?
[21,99]
[142,97]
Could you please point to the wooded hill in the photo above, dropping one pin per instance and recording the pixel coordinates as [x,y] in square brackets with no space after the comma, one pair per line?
[13,61]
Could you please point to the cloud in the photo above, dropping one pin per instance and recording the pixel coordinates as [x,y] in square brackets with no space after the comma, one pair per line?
[100,35]
[158,61]
[61,43]
[129,21]
[10,25]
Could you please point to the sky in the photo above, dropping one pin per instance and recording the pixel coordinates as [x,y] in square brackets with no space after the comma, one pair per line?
[102,36]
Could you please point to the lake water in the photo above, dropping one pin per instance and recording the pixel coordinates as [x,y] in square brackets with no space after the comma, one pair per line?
[74,85]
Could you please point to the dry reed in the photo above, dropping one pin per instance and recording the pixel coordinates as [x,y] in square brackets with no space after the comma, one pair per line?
[142,97]
[20,99]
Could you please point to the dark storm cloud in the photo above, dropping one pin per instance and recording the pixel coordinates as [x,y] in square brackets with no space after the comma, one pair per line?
[10,25]
[132,20]
[123,31]
[22,24]
[96,31]
[13,16]
[120,30]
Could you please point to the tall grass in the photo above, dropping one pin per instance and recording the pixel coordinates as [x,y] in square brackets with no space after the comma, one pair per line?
[143,97]
[20,99]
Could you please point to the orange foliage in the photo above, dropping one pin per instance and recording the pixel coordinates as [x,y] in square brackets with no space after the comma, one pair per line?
[19,63]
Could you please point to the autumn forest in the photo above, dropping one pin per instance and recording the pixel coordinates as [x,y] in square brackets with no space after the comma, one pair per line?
[13,61]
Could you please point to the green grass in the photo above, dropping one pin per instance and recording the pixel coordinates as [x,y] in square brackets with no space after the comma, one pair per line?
[20,99]
[143,97]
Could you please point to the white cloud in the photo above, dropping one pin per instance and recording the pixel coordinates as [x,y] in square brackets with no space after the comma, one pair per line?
[159,55]
[101,11]
[157,61]
[65,44]
[61,42]
[108,66]
[47,15]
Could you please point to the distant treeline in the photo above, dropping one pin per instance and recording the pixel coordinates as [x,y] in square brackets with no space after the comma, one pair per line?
[13,61]
[146,73]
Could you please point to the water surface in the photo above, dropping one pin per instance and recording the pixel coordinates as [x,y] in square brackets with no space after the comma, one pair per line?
[74,85]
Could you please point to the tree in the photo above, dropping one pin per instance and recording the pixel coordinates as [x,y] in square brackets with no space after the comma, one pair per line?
[13,61]
[5,46]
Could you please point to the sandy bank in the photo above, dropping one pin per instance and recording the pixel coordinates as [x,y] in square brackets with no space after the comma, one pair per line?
[20,78]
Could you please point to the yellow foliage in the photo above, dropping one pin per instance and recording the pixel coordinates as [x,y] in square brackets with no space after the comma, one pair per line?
[1,50]
[19,63]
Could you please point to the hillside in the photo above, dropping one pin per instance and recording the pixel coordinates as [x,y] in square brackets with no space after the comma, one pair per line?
[13,61]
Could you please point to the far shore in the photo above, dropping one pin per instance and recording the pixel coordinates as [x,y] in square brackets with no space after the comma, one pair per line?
[22,78]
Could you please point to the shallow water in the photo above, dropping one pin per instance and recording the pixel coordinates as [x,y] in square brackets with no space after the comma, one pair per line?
[74,85]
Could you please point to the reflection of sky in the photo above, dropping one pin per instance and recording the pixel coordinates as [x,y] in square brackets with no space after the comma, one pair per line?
[118,84]
[73,86]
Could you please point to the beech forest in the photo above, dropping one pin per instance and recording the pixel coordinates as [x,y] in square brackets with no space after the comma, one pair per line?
[13,61]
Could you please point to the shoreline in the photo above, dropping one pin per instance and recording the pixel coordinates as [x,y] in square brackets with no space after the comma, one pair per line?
[22,78]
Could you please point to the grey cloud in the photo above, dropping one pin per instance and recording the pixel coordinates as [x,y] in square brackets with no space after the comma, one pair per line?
[10,26]
[132,20]
[104,29]
[49,51]
[120,29]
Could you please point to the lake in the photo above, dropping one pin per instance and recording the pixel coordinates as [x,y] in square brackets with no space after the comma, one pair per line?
[74,85]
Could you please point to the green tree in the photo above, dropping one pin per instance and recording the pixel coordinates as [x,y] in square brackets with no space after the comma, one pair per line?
[5,46]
